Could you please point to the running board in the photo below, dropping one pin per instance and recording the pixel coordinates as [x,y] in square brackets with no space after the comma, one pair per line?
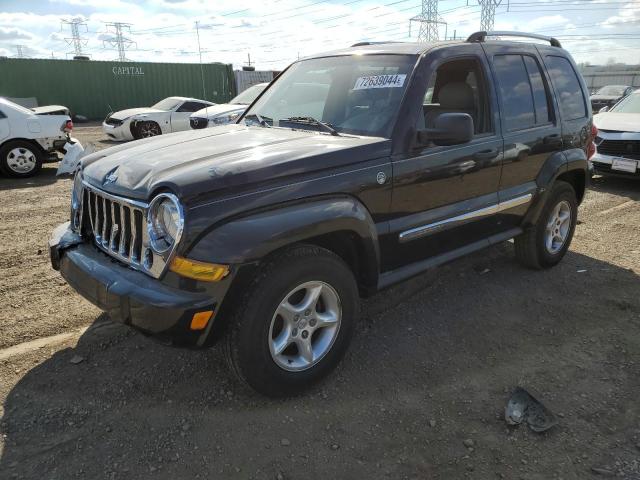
[389,278]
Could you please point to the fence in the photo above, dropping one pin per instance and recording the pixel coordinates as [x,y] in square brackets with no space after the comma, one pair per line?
[597,77]
[94,88]
[245,78]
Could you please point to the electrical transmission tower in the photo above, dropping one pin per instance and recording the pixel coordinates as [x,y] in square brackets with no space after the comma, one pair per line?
[20,51]
[76,39]
[488,13]
[429,21]
[119,41]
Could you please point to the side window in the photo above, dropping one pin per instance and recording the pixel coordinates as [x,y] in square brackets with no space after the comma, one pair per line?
[2,115]
[457,87]
[515,92]
[565,81]
[539,89]
[190,107]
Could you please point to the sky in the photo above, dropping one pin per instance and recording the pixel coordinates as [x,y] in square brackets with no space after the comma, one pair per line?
[276,32]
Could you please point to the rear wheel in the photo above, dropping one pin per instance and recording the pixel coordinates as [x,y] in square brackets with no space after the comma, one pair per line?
[294,323]
[544,244]
[20,159]
[146,129]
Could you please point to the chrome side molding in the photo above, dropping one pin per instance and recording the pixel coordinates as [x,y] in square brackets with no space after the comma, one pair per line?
[424,230]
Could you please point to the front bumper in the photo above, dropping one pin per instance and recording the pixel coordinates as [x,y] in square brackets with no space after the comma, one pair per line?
[119,133]
[602,164]
[132,297]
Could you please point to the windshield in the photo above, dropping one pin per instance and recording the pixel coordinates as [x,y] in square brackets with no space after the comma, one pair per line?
[167,104]
[629,104]
[249,95]
[358,94]
[612,90]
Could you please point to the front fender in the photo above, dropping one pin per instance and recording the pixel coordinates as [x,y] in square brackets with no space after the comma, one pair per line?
[251,237]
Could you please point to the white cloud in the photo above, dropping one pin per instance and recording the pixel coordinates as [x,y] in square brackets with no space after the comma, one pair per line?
[7,33]
[276,33]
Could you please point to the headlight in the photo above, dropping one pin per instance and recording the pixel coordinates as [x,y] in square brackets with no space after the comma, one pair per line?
[76,201]
[224,119]
[165,221]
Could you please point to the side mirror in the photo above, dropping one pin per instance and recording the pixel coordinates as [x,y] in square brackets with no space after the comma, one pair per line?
[603,109]
[450,129]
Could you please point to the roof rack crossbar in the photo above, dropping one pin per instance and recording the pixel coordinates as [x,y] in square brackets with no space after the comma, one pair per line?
[482,36]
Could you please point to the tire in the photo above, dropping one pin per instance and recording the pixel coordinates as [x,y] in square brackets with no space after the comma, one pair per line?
[146,129]
[259,323]
[20,159]
[533,248]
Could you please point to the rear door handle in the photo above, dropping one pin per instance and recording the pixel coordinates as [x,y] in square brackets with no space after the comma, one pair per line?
[486,154]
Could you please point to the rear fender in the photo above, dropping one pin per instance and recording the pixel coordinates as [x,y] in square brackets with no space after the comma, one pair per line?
[557,165]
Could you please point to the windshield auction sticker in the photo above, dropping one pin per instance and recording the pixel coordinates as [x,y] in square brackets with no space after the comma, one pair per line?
[380,81]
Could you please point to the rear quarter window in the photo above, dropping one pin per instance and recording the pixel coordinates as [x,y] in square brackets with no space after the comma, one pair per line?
[567,86]
[515,92]
[2,115]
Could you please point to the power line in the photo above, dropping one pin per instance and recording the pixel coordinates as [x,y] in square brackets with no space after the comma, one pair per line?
[119,41]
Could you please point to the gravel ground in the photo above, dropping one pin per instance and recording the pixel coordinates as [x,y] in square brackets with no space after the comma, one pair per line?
[420,394]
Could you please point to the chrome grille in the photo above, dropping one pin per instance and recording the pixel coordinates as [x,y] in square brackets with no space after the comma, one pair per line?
[117,224]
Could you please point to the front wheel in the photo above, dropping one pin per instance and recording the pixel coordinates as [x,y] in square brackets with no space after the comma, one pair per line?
[146,129]
[295,322]
[544,244]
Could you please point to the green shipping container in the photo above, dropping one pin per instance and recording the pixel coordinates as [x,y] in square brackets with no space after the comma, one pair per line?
[94,88]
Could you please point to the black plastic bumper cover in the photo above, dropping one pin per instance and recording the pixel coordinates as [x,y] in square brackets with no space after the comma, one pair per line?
[128,296]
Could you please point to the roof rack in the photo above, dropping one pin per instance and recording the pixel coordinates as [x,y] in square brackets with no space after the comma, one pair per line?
[362,44]
[481,36]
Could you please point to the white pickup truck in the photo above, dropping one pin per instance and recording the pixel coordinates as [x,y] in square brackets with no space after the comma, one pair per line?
[29,138]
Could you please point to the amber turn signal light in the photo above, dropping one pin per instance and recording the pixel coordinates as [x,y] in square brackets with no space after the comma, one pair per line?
[207,272]
[200,320]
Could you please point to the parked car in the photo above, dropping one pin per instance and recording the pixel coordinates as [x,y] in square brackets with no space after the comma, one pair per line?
[224,113]
[618,140]
[267,231]
[166,116]
[30,138]
[607,97]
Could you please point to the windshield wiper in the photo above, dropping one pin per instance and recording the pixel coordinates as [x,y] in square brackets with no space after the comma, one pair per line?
[312,121]
[263,121]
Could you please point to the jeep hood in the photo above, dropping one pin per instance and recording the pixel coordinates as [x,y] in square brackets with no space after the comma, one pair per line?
[200,162]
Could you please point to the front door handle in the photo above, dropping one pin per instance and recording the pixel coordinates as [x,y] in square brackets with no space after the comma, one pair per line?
[486,154]
[465,166]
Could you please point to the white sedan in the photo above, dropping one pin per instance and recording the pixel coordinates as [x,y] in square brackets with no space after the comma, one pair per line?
[28,138]
[166,116]
[618,140]
[224,113]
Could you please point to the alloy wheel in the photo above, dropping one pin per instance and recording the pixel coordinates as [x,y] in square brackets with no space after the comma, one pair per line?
[558,227]
[305,326]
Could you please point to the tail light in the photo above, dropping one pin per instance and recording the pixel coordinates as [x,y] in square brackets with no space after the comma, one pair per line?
[68,126]
[591,149]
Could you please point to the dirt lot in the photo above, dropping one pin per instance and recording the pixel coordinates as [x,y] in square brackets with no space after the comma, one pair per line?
[431,367]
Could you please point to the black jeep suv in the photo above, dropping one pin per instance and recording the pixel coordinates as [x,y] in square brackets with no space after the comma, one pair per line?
[352,171]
